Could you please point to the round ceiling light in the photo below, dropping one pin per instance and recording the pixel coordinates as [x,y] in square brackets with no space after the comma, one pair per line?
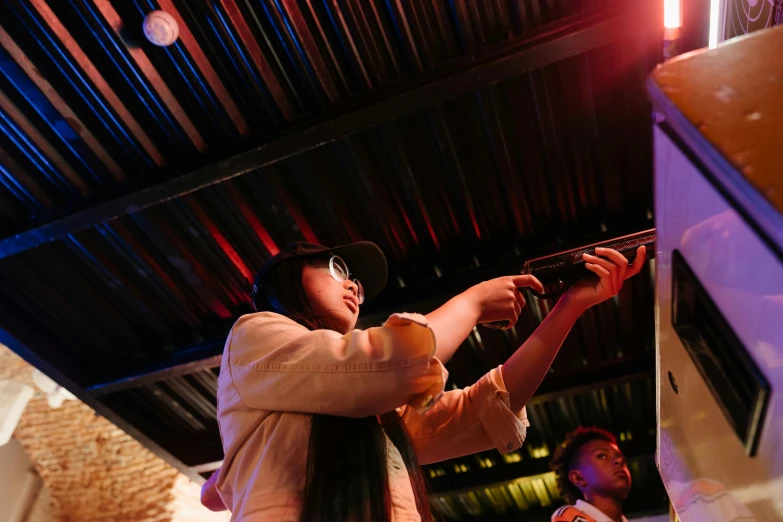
[160,28]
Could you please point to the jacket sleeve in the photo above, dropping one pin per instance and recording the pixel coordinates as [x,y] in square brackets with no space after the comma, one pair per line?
[277,364]
[468,421]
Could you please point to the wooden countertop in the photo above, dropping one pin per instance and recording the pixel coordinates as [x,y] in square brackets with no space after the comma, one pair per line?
[734,96]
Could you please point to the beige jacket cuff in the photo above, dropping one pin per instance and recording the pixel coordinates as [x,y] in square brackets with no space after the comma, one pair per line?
[506,429]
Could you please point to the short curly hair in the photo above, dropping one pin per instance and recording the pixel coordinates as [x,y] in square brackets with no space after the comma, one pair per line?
[564,459]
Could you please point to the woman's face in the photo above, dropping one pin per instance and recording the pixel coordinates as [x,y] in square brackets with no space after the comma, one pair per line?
[329,297]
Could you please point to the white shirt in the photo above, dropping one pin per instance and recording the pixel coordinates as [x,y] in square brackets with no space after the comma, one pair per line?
[593,512]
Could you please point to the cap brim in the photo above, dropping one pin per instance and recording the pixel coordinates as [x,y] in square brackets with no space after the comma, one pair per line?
[367,263]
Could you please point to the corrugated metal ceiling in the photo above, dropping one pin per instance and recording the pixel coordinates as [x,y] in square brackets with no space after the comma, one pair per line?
[88,104]
[502,174]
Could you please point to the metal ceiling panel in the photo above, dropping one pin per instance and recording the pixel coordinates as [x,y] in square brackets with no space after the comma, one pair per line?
[479,181]
[88,104]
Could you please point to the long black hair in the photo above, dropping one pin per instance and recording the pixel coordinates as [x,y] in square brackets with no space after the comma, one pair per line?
[347,477]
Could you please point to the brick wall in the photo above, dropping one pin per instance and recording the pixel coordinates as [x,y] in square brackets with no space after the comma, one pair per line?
[94,470]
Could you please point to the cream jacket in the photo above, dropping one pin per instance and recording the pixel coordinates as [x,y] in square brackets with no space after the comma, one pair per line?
[276,373]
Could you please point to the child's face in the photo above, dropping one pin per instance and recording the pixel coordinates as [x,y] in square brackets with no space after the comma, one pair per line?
[331,298]
[603,470]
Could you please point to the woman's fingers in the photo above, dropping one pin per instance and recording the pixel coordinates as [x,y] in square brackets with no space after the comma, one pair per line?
[638,263]
[520,299]
[595,260]
[519,302]
[620,260]
[613,277]
[598,270]
[521,281]
[615,257]
[512,314]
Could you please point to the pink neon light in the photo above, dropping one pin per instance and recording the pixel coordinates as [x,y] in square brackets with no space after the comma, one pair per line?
[255,224]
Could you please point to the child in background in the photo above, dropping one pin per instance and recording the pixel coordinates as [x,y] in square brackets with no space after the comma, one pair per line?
[592,477]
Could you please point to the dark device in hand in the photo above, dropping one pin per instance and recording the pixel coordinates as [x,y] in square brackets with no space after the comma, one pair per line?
[558,272]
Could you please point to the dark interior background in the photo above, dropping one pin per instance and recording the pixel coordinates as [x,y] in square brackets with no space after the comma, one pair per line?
[140,187]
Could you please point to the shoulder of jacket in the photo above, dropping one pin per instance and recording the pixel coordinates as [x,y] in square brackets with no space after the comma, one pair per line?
[265,318]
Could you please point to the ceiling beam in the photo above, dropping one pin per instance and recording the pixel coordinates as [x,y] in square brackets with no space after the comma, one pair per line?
[554,42]
[595,377]
[203,357]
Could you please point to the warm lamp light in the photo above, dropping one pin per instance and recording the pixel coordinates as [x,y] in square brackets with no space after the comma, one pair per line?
[714,21]
[672,19]
[672,15]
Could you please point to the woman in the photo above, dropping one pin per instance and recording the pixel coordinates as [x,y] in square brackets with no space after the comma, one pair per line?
[321,422]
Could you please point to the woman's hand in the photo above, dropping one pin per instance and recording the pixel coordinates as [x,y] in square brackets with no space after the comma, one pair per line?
[499,300]
[612,270]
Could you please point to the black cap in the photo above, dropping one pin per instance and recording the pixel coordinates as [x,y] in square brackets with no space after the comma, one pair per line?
[364,259]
